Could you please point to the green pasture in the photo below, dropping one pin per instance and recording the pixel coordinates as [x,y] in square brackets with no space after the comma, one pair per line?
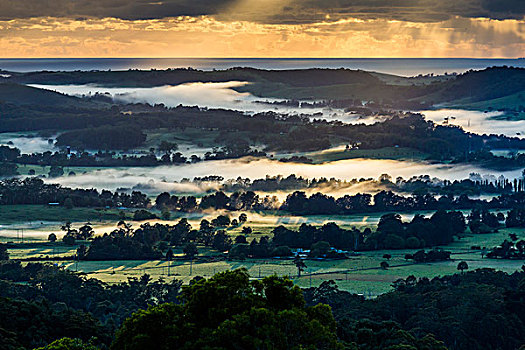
[359,274]
[395,153]
[510,101]
[206,138]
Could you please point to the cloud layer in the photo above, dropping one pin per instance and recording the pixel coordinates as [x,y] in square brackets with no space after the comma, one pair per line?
[268,11]
[262,28]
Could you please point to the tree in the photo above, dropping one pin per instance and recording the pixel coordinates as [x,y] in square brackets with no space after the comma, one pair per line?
[4,254]
[169,257]
[68,239]
[393,241]
[320,249]
[81,252]
[299,264]
[167,147]
[142,215]
[69,344]
[221,221]
[462,266]
[281,251]
[52,238]
[228,311]
[240,239]
[190,250]
[162,200]
[221,241]
[243,218]
[169,254]
[56,171]
[413,242]
[85,232]
[384,265]
[162,246]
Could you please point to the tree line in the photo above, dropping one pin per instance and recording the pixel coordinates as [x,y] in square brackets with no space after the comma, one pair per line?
[300,203]
[33,190]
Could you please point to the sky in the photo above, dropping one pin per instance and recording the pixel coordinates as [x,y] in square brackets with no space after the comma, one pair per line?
[262,28]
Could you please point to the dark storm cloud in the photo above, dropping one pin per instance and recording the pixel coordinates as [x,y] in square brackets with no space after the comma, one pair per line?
[289,12]
[404,10]
[123,9]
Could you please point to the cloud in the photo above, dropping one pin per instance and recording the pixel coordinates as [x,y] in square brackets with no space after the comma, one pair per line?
[268,11]
[122,9]
[208,37]
[308,11]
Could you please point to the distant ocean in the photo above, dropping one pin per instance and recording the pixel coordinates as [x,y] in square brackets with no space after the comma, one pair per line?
[398,66]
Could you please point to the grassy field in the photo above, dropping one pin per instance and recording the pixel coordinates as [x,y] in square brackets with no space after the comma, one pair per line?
[395,153]
[510,101]
[186,136]
[360,274]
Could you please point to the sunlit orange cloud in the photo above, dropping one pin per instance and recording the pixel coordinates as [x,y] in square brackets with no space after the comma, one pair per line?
[208,37]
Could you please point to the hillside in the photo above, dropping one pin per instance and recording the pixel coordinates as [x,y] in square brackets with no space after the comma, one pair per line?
[471,88]
[23,95]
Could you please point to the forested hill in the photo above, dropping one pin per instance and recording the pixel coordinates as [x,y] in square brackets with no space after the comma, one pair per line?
[22,95]
[472,86]
[147,78]
[485,85]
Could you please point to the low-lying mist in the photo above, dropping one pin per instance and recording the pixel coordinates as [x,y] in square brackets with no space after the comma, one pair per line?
[26,143]
[224,95]
[158,179]
[478,122]
[209,95]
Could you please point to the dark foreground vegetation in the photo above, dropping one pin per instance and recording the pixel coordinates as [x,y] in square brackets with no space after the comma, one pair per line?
[475,310]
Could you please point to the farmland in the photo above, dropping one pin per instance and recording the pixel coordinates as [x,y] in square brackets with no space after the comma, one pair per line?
[360,274]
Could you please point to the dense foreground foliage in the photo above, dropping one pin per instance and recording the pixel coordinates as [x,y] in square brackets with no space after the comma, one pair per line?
[229,311]
[483,309]
[476,310]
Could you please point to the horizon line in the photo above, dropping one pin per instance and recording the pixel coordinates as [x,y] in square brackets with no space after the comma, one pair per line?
[269,58]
